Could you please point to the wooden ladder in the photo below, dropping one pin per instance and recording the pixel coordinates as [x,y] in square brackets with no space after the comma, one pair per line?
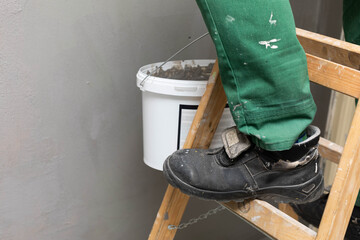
[332,63]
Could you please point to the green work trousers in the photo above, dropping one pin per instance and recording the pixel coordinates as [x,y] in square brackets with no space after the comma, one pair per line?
[263,69]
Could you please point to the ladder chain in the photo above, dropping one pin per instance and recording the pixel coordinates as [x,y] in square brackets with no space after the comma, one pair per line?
[195,220]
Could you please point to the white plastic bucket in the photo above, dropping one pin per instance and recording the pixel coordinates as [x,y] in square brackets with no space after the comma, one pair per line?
[169,107]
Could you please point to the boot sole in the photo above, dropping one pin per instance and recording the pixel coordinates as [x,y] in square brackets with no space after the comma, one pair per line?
[280,194]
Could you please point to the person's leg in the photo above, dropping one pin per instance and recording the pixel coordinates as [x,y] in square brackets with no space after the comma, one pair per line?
[263,68]
[264,73]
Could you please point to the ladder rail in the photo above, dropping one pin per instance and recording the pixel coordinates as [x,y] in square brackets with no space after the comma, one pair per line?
[345,188]
[200,135]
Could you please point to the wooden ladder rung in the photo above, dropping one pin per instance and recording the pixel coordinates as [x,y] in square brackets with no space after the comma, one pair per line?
[271,220]
[335,50]
[333,75]
[329,150]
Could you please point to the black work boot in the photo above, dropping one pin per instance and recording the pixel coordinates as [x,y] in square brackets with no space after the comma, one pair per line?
[240,170]
[312,213]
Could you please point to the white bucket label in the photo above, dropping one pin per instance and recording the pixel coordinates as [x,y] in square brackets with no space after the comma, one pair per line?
[186,116]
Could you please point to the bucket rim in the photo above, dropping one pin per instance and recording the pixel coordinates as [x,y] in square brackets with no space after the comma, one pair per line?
[173,87]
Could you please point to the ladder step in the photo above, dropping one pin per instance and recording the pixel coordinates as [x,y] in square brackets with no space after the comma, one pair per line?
[329,150]
[333,75]
[335,50]
[271,220]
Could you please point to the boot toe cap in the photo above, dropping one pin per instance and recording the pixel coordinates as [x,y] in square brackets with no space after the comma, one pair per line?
[180,164]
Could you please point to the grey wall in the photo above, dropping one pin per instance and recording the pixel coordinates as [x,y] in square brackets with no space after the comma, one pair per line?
[70,118]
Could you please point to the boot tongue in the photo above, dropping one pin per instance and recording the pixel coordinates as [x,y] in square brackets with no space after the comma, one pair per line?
[234,142]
